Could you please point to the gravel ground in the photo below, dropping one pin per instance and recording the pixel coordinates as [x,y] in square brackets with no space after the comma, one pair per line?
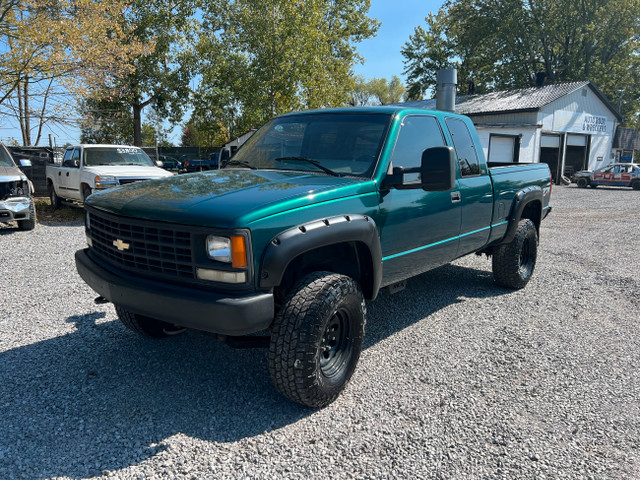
[459,378]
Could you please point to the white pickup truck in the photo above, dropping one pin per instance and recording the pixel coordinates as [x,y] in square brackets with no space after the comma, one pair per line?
[87,168]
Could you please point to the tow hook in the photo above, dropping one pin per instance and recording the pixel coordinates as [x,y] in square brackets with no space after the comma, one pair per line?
[100,300]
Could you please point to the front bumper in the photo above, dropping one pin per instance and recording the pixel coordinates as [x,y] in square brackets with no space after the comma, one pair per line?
[15,208]
[200,310]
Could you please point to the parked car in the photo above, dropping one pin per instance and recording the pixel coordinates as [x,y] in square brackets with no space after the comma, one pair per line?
[16,203]
[88,168]
[615,174]
[316,213]
[191,164]
[170,163]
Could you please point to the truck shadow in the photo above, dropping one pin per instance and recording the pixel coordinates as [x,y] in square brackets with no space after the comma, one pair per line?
[100,398]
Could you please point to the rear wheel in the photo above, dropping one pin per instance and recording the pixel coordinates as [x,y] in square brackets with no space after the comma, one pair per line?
[317,339]
[582,182]
[143,325]
[593,186]
[636,185]
[514,262]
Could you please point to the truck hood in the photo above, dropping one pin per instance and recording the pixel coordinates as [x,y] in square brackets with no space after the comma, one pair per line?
[11,174]
[128,171]
[225,198]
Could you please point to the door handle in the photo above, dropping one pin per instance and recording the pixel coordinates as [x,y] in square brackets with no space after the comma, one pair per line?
[455,197]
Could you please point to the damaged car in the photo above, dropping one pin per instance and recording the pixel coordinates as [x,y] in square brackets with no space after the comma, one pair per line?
[16,203]
[613,175]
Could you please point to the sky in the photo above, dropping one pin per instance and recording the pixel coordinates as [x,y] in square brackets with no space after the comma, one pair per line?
[382,58]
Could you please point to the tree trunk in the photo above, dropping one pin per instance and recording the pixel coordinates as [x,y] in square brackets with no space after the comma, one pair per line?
[137,125]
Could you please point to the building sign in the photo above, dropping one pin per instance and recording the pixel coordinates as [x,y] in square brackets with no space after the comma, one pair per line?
[575,122]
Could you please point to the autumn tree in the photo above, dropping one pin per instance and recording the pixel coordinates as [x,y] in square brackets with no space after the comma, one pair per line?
[266,57]
[501,45]
[52,49]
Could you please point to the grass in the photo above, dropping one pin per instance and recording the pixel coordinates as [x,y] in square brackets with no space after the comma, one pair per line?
[46,213]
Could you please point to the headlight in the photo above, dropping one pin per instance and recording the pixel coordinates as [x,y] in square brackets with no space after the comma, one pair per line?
[106,182]
[228,250]
[219,248]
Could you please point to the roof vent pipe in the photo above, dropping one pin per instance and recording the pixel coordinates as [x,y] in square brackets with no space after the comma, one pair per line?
[446,83]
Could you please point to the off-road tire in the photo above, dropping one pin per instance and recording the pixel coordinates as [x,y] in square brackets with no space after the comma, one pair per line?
[636,185]
[317,338]
[30,223]
[514,262]
[56,202]
[142,325]
[582,183]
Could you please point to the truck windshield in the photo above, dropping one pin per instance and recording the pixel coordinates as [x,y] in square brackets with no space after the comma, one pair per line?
[116,156]
[5,158]
[343,144]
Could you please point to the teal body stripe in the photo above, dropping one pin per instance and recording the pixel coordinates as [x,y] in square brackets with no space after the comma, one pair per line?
[441,242]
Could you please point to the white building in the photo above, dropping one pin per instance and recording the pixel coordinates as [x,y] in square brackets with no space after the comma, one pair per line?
[570,126]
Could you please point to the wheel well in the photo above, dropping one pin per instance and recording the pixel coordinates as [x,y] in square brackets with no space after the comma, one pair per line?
[533,212]
[350,258]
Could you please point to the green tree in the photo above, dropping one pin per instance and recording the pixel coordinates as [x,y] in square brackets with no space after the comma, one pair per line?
[377,91]
[501,45]
[160,77]
[266,57]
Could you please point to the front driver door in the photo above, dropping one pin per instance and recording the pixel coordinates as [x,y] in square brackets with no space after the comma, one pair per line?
[419,230]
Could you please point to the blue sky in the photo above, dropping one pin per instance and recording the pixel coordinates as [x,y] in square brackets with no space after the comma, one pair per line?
[381,53]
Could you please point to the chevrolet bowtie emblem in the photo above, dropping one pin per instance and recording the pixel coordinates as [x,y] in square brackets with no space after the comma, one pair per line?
[120,245]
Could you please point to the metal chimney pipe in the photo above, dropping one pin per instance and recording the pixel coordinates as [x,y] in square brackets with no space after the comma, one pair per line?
[446,82]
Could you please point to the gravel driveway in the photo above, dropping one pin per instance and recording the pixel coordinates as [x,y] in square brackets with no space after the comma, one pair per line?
[459,378]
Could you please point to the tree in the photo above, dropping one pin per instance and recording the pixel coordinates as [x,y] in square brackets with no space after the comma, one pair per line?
[105,120]
[158,78]
[202,133]
[266,57]
[55,48]
[501,45]
[377,91]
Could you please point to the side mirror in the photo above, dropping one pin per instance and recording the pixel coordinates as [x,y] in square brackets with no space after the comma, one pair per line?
[437,172]
[24,163]
[438,169]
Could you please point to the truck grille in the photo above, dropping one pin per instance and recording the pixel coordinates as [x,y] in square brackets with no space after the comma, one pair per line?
[125,181]
[145,248]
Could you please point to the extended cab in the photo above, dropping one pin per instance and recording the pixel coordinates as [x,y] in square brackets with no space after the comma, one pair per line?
[315,214]
[89,168]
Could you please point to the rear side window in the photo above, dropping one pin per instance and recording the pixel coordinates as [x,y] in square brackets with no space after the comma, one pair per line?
[463,144]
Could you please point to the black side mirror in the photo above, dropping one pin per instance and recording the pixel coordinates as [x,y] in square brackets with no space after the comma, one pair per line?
[437,172]
[438,169]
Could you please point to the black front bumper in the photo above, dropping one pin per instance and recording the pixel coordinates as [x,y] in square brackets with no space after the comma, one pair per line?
[208,311]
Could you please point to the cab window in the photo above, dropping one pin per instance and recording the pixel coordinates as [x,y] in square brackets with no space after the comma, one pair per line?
[417,133]
[464,147]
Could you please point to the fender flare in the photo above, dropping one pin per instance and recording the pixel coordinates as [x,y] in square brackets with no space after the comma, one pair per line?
[292,243]
[523,198]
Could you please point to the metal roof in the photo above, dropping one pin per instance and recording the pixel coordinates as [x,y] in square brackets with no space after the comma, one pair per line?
[511,101]
[626,138]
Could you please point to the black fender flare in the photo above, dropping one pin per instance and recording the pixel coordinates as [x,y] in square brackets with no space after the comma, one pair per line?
[523,198]
[291,243]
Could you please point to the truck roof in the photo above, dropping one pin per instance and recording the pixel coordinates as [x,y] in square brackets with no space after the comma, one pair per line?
[101,145]
[388,109]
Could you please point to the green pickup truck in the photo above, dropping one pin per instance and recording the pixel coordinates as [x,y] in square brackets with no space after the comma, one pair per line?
[316,213]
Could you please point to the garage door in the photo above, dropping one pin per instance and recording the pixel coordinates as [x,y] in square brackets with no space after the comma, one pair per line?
[501,149]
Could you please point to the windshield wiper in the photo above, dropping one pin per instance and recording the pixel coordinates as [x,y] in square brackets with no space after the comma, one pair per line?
[315,163]
[241,163]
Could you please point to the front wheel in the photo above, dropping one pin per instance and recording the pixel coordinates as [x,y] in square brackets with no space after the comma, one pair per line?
[513,262]
[30,223]
[53,196]
[317,339]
